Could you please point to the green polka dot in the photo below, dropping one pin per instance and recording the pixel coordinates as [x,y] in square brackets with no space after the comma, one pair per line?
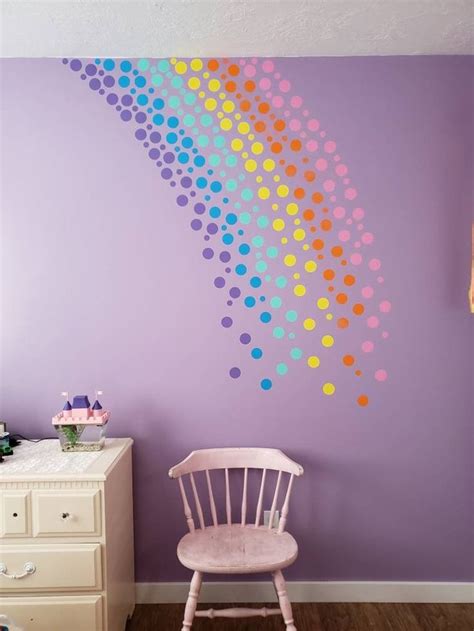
[143,64]
[281,282]
[272,252]
[282,368]
[296,353]
[291,315]
[278,332]
[262,221]
[261,267]
[276,302]
[245,218]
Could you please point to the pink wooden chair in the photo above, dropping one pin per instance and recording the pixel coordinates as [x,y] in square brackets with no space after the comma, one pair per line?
[236,547]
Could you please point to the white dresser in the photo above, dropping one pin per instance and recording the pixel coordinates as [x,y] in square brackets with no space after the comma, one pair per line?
[66,532]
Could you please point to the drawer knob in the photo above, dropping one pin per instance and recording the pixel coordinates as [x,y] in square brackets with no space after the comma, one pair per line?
[65,516]
[28,568]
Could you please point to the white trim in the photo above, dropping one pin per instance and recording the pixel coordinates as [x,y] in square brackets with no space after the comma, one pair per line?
[310,591]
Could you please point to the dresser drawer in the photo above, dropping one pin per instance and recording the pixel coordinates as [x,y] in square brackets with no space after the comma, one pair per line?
[14,513]
[58,613]
[57,567]
[66,512]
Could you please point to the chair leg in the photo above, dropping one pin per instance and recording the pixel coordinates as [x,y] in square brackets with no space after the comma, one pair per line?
[285,605]
[191,603]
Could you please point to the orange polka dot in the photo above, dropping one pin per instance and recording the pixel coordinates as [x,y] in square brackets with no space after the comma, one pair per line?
[213,64]
[343,323]
[230,86]
[358,372]
[363,400]
[252,117]
[330,288]
[318,244]
[341,298]
[257,99]
[349,280]
[317,198]
[290,170]
[238,95]
[348,360]
[260,126]
[279,125]
[245,105]
[309,176]
[320,257]
[234,70]
[269,138]
[326,224]
[295,145]
[313,229]
[263,108]
[343,262]
[300,193]
[329,274]
[249,86]
[282,162]
[276,147]
[308,214]
[336,251]
[358,309]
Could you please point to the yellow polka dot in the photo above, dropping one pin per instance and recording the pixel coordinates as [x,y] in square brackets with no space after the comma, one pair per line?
[283,190]
[311,266]
[220,115]
[299,290]
[173,61]
[278,225]
[329,388]
[205,75]
[243,128]
[258,179]
[305,246]
[196,65]
[251,137]
[257,148]
[323,303]
[299,234]
[210,104]
[194,83]
[236,144]
[263,192]
[222,96]
[237,116]
[214,85]
[181,67]
[228,107]
[250,166]
[327,341]
[292,208]
[276,178]
[284,240]
[313,361]
[226,124]
[289,260]
[296,275]
[309,324]
[268,164]
[245,155]
[329,316]
[274,206]
[201,94]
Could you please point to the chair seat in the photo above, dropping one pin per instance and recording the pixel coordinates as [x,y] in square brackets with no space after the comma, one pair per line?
[237,550]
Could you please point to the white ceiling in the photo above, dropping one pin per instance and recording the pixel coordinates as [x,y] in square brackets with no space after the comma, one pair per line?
[235,27]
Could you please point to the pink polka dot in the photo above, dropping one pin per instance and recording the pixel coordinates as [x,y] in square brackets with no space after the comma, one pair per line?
[360,226]
[249,71]
[329,185]
[385,306]
[358,213]
[374,264]
[265,83]
[344,235]
[356,258]
[346,181]
[372,322]
[341,169]
[357,244]
[278,101]
[336,157]
[339,212]
[385,335]
[242,62]
[305,112]
[330,146]
[367,346]
[284,86]
[287,113]
[367,292]
[349,221]
[380,375]
[367,238]
[321,164]
[333,198]
[268,65]
[254,60]
[313,124]
[268,95]
[380,279]
[296,102]
[303,134]
[295,124]
[311,145]
[350,193]
[322,134]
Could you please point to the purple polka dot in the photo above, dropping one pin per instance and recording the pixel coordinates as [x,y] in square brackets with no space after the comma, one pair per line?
[101,73]
[193,193]
[112,98]
[168,157]
[140,134]
[155,136]
[245,338]
[126,115]
[182,200]
[118,108]
[199,208]
[91,70]
[235,372]
[212,228]
[76,65]
[173,184]
[227,270]
[154,153]
[234,292]
[140,117]
[219,282]
[229,303]
[94,84]
[208,253]
[224,256]
[64,60]
[166,174]
[135,108]
[196,224]
[109,81]
[101,91]
[206,237]
[227,322]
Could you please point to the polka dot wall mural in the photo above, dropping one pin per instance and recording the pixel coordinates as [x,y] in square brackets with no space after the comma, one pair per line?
[271,200]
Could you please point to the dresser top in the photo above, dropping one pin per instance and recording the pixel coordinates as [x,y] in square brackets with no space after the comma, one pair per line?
[45,461]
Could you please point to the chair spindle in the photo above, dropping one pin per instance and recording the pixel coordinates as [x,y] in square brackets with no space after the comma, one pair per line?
[187,509]
[227,498]
[285,507]
[244,497]
[260,499]
[275,500]
[197,502]
[212,503]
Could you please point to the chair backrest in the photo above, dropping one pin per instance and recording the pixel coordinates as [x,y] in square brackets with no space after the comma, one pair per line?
[207,460]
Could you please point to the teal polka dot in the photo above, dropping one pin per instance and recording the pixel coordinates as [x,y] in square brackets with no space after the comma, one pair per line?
[291,336]
[262,221]
[246,194]
[231,185]
[190,99]
[163,65]
[174,102]
[143,64]
[272,252]
[257,241]
[261,266]
[276,302]
[291,315]
[296,353]
[177,82]
[214,160]
[219,142]
[282,368]
[202,140]
[189,120]
[278,332]
[231,161]
[206,120]
[281,282]
[268,278]
[245,218]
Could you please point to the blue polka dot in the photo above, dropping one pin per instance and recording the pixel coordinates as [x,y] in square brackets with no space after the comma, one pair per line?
[125,66]
[199,161]
[158,104]
[201,182]
[187,142]
[216,187]
[142,99]
[227,239]
[109,64]
[183,157]
[256,353]
[215,212]
[124,82]
[173,122]
[265,317]
[158,119]
[244,248]
[240,269]
[140,82]
[266,384]
[231,218]
[255,281]
[171,137]
[249,301]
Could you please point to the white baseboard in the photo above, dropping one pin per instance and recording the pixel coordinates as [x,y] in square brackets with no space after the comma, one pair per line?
[310,591]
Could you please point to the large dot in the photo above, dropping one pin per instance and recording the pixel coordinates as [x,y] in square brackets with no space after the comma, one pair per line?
[226,322]
[299,290]
[266,384]
[313,361]
[309,324]
[380,375]
[234,372]
[385,306]
[329,388]
[327,341]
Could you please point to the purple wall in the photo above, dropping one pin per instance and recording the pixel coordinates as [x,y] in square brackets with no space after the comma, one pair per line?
[387,489]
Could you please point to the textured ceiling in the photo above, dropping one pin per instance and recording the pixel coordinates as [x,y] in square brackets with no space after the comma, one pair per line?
[236,27]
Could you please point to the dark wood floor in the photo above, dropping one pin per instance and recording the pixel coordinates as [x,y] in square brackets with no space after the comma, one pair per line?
[319,617]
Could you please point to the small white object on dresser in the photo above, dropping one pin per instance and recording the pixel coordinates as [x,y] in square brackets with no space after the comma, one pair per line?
[66,537]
